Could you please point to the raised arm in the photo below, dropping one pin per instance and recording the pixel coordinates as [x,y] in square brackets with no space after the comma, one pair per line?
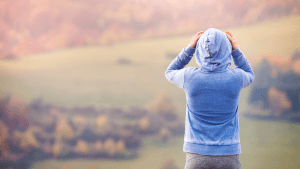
[241,61]
[175,71]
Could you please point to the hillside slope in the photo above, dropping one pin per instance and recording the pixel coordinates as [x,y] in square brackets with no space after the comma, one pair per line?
[93,75]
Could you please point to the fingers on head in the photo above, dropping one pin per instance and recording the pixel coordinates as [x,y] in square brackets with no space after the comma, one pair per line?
[229,33]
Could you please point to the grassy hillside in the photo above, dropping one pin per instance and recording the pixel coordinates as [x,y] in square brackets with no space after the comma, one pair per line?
[92,75]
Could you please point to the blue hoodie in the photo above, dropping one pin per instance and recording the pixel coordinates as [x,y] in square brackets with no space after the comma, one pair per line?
[212,93]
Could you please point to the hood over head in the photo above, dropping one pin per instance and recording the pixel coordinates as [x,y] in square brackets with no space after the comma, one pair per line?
[213,51]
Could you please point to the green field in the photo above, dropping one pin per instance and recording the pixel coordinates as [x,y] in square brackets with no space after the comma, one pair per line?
[92,76]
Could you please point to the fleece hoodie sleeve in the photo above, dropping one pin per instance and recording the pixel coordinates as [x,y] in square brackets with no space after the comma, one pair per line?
[175,71]
[242,63]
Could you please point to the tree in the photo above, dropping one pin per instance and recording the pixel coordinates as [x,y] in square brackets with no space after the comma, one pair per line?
[120,147]
[4,149]
[82,147]
[110,147]
[261,84]
[27,140]
[162,103]
[144,124]
[15,113]
[165,134]
[63,130]
[279,101]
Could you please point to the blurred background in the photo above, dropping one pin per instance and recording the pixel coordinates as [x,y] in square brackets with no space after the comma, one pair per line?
[82,82]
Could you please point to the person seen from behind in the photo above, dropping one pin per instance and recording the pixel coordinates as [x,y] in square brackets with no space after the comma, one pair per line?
[211,138]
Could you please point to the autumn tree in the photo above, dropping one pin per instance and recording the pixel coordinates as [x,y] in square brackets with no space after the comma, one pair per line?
[110,147]
[101,125]
[263,81]
[164,106]
[278,101]
[14,113]
[165,134]
[63,130]
[4,149]
[82,147]
[98,147]
[27,140]
[120,147]
[144,124]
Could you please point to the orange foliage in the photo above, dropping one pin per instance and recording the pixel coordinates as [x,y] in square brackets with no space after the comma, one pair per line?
[144,123]
[165,134]
[4,149]
[102,121]
[120,147]
[27,47]
[99,146]
[281,62]
[110,146]
[279,101]
[162,103]
[56,149]
[296,67]
[63,130]
[26,140]
[16,113]
[82,147]
[31,26]
[30,142]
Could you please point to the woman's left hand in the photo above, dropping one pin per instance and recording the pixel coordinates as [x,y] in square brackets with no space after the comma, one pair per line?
[195,39]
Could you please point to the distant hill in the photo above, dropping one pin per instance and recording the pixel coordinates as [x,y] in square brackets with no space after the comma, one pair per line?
[35,26]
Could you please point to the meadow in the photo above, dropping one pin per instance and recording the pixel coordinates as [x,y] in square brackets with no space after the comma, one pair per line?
[93,76]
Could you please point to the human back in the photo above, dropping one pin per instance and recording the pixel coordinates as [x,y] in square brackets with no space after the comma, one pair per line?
[212,92]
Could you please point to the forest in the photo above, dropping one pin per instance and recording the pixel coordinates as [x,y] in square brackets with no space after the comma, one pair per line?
[276,88]
[39,130]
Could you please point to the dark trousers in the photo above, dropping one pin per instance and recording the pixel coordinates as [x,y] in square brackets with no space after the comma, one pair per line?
[199,161]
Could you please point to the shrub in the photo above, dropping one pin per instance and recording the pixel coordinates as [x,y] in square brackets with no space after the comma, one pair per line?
[162,103]
[63,130]
[110,147]
[4,149]
[120,147]
[82,147]
[144,124]
[165,134]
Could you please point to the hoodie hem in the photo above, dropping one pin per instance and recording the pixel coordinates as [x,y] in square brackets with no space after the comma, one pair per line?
[212,149]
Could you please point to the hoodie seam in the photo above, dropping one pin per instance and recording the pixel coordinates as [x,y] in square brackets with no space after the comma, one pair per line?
[214,71]
[213,67]
[196,142]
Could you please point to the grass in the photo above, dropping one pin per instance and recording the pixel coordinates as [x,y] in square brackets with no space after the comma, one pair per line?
[92,76]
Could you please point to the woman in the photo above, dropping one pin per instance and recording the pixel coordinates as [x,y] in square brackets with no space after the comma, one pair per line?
[211,138]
